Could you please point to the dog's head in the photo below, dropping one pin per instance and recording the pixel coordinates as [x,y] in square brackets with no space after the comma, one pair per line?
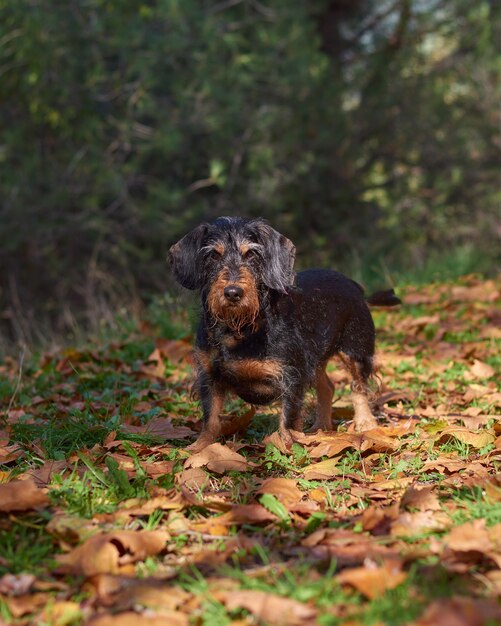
[232,260]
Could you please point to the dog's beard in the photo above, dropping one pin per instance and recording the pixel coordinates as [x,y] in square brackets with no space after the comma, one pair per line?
[235,316]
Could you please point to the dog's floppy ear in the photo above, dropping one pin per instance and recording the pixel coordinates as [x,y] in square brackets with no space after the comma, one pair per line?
[183,258]
[280,253]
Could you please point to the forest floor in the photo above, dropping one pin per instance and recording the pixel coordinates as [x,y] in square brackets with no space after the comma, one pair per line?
[106,518]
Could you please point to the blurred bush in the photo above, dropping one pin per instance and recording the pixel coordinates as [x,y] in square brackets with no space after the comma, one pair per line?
[363,129]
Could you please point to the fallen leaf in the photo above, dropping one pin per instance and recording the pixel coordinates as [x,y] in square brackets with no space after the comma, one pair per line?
[24,604]
[479,369]
[128,618]
[322,470]
[218,458]
[332,444]
[411,524]
[22,495]
[269,607]
[477,439]
[16,584]
[106,553]
[238,514]
[285,489]
[154,366]
[420,497]
[373,580]
[460,612]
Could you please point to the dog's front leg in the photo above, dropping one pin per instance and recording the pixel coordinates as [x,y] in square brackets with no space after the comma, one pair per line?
[290,415]
[212,398]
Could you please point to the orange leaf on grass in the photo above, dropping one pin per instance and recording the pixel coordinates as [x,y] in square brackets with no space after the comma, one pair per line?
[22,495]
[269,607]
[154,366]
[479,369]
[460,612]
[238,514]
[219,458]
[284,489]
[477,439]
[322,470]
[129,618]
[420,497]
[411,524]
[373,580]
[473,541]
[107,553]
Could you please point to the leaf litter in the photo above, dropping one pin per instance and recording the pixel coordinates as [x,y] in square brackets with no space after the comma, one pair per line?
[107,519]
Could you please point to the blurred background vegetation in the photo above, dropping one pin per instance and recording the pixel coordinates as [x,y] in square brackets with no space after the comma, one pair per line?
[368,131]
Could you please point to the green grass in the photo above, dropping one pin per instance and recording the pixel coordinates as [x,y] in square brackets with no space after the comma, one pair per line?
[25,546]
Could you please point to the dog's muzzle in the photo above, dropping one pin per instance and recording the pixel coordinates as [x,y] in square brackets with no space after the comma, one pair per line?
[233,293]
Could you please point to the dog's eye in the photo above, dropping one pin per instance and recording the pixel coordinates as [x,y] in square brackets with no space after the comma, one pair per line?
[250,254]
[214,254]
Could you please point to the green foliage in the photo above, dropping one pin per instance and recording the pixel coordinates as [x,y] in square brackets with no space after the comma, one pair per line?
[367,131]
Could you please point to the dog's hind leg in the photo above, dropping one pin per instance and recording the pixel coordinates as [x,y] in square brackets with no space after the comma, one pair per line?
[360,369]
[325,390]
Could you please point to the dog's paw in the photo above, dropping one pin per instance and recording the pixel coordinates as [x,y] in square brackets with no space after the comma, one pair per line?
[367,422]
[204,440]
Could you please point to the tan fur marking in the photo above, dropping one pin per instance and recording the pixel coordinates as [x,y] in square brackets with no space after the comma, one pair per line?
[203,360]
[325,391]
[254,370]
[230,341]
[212,428]
[235,316]
[363,418]
[219,248]
[244,248]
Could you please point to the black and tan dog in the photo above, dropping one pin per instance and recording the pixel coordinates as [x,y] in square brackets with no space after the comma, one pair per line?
[267,333]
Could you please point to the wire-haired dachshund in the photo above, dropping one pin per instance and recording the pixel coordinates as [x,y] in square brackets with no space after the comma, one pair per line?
[266,333]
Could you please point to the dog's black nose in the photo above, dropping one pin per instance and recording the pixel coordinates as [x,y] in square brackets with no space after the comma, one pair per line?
[233,293]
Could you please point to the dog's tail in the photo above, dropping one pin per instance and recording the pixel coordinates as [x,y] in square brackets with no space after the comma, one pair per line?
[383,298]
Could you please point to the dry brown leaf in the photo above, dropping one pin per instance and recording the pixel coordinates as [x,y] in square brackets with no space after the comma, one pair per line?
[175,350]
[60,613]
[239,514]
[154,366]
[107,553]
[420,497]
[129,618]
[22,495]
[270,608]
[373,580]
[27,603]
[479,369]
[473,541]
[124,592]
[284,489]
[322,470]
[477,439]
[218,458]
[332,444]
[16,584]
[460,612]
[483,292]
[10,453]
[410,524]
[193,478]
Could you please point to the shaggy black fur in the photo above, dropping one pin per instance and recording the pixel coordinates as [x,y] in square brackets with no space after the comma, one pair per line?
[267,333]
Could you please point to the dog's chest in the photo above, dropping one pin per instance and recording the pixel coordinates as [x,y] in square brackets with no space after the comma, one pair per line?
[244,368]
